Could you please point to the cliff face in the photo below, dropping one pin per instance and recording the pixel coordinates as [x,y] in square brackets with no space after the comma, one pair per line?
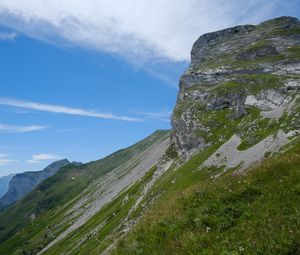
[242,80]
[22,184]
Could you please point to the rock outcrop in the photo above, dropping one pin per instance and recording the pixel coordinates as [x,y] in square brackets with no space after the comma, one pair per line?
[21,184]
[234,74]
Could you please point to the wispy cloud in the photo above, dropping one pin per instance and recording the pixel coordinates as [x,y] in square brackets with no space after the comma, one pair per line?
[4,159]
[4,36]
[162,115]
[147,29]
[158,114]
[20,129]
[63,110]
[38,158]
[66,130]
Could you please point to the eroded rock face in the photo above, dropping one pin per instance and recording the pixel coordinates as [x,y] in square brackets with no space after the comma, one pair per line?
[234,72]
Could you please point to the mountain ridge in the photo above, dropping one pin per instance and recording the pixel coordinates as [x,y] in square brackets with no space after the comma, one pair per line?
[22,183]
[74,194]
[4,182]
[224,180]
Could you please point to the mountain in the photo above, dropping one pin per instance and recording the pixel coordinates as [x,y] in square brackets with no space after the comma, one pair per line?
[242,80]
[236,130]
[4,182]
[224,180]
[21,184]
[76,194]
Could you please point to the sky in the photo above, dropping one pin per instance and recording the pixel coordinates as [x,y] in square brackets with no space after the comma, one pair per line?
[82,79]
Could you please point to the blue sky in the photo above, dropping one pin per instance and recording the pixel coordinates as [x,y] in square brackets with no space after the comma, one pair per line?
[81,79]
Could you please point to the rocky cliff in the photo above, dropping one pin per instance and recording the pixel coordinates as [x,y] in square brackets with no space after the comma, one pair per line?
[22,184]
[239,81]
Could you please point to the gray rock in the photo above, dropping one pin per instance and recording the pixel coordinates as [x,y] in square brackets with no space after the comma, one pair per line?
[230,68]
[252,54]
[240,111]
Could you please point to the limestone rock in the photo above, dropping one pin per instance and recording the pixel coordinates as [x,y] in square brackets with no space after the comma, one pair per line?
[233,72]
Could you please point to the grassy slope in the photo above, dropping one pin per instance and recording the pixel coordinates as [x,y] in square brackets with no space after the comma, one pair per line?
[165,188]
[52,198]
[196,215]
[253,214]
[94,236]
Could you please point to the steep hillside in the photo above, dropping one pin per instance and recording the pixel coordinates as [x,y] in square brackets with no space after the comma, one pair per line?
[22,184]
[238,110]
[256,213]
[4,183]
[64,202]
[225,180]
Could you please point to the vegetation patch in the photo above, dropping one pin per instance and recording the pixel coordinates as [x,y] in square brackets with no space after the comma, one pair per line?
[231,215]
[286,32]
[295,52]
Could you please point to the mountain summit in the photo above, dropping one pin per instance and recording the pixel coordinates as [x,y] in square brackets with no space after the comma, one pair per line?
[240,80]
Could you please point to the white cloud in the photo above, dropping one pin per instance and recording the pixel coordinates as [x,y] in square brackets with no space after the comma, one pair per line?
[62,109]
[162,115]
[158,114]
[38,158]
[7,36]
[4,159]
[20,129]
[133,28]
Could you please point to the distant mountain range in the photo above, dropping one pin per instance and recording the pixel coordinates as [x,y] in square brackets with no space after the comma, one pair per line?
[4,182]
[21,184]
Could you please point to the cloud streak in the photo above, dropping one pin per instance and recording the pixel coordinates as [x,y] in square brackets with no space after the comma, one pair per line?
[20,129]
[38,158]
[147,29]
[5,160]
[63,110]
[7,36]
[161,116]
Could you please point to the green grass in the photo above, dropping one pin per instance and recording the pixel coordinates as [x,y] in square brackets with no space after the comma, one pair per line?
[53,197]
[286,32]
[256,83]
[259,44]
[230,62]
[253,130]
[93,240]
[257,131]
[96,240]
[253,214]
[171,152]
[229,88]
[249,84]
[294,52]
